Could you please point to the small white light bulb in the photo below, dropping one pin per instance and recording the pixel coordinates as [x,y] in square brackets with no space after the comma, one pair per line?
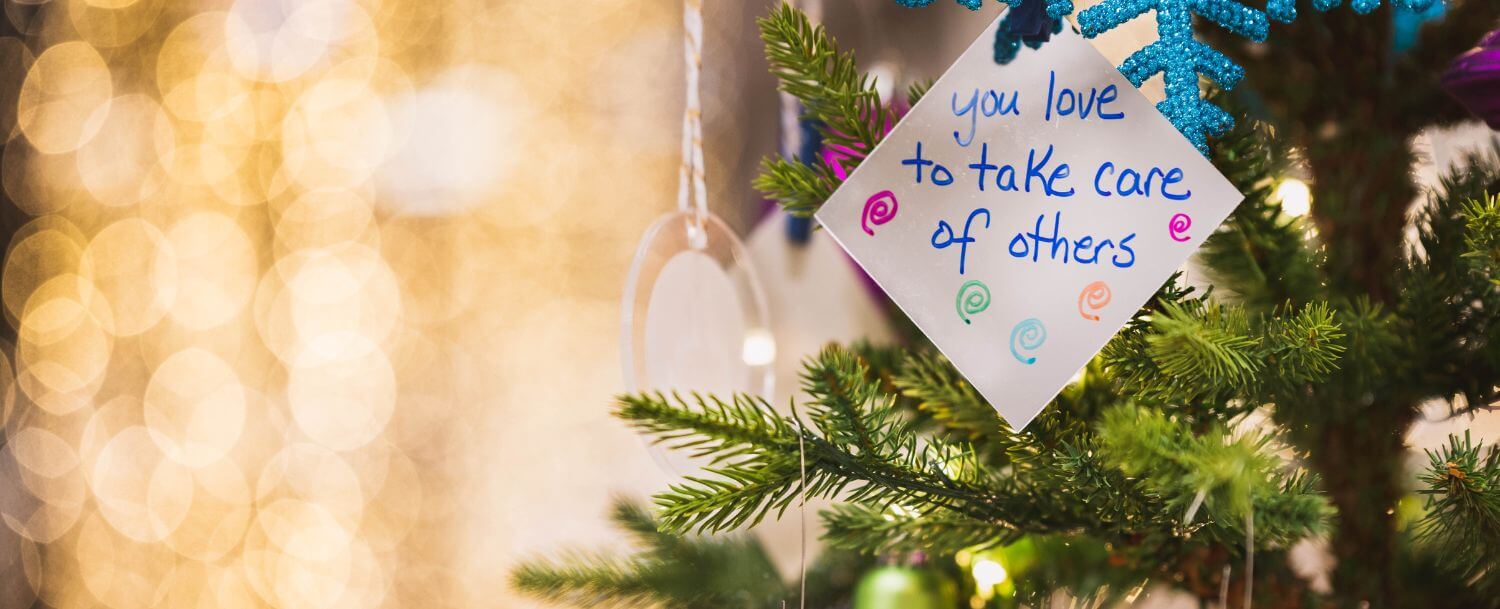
[759,348]
[1295,197]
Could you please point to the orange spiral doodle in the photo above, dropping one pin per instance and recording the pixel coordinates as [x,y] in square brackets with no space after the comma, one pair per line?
[1093,297]
[879,209]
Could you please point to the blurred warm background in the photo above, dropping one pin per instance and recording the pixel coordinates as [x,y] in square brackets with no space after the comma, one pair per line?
[315,303]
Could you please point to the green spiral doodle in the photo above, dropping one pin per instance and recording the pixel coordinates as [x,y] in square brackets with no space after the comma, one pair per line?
[973,297]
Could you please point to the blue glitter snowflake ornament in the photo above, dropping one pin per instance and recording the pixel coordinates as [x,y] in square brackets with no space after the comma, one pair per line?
[1179,58]
[1056,9]
[1367,6]
[1176,55]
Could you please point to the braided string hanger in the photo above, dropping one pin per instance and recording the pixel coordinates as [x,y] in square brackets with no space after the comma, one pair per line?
[694,199]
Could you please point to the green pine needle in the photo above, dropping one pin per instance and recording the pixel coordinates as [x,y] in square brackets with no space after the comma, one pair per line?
[1462,490]
[840,99]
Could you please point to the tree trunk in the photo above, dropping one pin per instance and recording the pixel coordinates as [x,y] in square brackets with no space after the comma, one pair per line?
[1361,461]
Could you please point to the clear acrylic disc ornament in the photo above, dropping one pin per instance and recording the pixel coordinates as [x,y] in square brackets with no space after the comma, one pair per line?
[694,318]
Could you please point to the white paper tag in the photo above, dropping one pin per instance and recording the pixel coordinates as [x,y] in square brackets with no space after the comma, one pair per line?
[1020,214]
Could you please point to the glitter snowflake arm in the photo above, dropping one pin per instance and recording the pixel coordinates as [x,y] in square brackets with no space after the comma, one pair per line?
[1110,14]
[1367,6]
[1282,11]
[1179,58]
[972,5]
[1056,9]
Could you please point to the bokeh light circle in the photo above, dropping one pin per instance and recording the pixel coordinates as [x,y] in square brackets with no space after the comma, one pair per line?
[64,344]
[64,98]
[216,270]
[195,407]
[343,403]
[141,493]
[119,165]
[135,271]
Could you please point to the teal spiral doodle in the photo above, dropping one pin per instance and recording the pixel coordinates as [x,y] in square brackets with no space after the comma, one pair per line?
[1028,336]
[973,297]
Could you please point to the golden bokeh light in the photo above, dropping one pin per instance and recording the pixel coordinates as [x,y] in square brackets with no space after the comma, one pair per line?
[45,248]
[277,40]
[335,136]
[64,98]
[323,219]
[276,265]
[195,407]
[113,23]
[64,344]
[311,474]
[221,510]
[119,572]
[140,492]
[15,58]
[42,453]
[7,394]
[118,165]
[216,273]
[134,269]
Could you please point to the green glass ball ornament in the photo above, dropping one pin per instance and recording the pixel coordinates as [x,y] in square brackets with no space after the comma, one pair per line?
[895,587]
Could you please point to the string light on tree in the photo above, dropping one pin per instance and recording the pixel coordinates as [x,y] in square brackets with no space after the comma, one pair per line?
[1294,196]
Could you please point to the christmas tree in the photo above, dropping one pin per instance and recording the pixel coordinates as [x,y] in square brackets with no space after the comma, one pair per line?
[1333,331]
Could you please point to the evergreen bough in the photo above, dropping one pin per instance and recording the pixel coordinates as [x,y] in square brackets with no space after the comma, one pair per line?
[1326,326]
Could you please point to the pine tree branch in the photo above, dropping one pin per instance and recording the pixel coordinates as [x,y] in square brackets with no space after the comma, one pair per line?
[857,445]
[917,90]
[1208,347]
[1212,353]
[800,189]
[668,570]
[587,581]
[868,529]
[841,100]
[939,391]
[1482,236]
[1261,257]
[1450,307]
[1211,475]
[1304,346]
[1462,491]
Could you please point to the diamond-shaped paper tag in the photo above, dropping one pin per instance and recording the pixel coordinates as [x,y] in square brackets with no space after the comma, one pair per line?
[1020,214]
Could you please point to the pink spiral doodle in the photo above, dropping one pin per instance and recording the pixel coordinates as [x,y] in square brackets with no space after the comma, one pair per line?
[1093,297]
[879,209]
[1178,227]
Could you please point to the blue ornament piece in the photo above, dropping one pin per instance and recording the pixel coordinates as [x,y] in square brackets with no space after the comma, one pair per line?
[1179,58]
[1056,9]
[1282,11]
[1406,25]
[1176,55]
[1028,18]
[972,5]
[1364,7]
[1029,22]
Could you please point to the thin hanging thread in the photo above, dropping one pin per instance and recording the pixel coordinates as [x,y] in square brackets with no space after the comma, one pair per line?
[1224,586]
[792,134]
[696,197]
[802,513]
[1249,553]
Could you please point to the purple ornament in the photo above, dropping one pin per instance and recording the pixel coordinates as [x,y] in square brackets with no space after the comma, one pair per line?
[1474,79]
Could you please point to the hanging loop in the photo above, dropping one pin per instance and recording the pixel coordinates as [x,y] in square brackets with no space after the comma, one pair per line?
[692,189]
